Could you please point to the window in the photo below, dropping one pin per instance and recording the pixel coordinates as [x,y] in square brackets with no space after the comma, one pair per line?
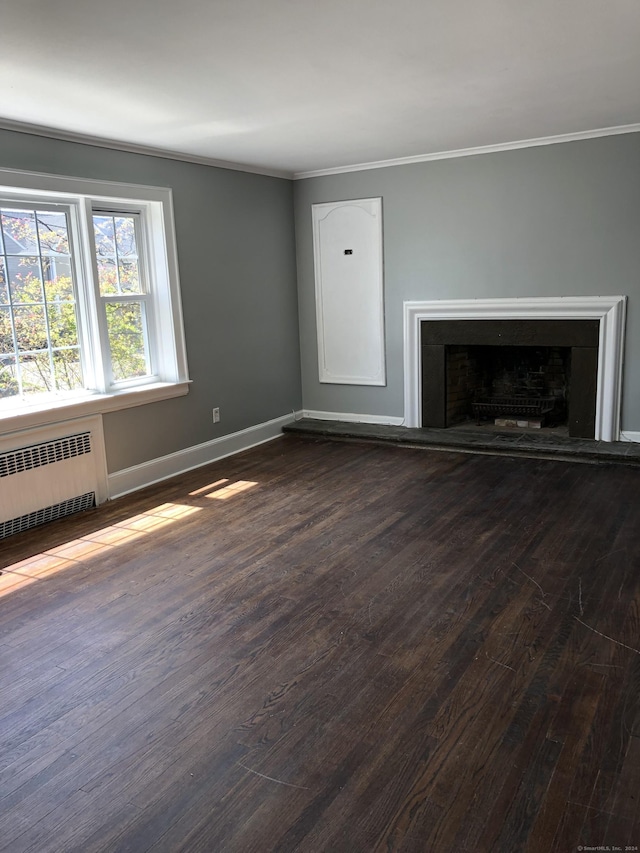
[39,343]
[89,295]
[124,294]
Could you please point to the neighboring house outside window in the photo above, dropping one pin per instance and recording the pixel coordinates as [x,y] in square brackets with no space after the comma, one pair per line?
[90,312]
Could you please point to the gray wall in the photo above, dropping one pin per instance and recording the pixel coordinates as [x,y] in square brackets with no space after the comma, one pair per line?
[558,220]
[237,272]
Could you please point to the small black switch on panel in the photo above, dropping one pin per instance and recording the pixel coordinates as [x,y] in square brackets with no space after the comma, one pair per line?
[348,251]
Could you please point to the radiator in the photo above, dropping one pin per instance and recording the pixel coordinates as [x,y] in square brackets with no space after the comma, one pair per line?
[50,472]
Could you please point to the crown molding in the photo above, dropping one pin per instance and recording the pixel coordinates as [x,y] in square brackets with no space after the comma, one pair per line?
[168,154]
[471,152]
[134,148]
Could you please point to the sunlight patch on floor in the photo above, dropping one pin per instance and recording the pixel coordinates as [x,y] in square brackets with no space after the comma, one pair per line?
[101,541]
[232,489]
[208,488]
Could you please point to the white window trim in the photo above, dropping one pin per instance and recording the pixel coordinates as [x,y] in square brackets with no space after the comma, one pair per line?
[157,203]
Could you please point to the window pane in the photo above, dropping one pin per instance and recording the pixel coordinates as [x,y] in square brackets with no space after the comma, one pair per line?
[107,276]
[24,279]
[8,380]
[125,324]
[31,329]
[58,281]
[36,375]
[126,236]
[19,229]
[63,324]
[53,233]
[104,235]
[6,334]
[4,288]
[129,277]
[67,369]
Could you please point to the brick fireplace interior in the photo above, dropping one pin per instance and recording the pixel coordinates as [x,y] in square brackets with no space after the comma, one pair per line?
[485,373]
[475,370]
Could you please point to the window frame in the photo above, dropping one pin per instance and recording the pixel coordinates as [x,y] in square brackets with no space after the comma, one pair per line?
[165,328]
[147,296]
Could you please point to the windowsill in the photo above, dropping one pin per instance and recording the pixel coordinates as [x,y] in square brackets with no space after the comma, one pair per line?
[90,404]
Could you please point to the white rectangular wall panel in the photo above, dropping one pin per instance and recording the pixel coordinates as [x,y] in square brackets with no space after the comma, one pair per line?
[347,244]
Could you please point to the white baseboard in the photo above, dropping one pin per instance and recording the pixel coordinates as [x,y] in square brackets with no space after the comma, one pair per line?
[349,417]
[629,435]
[138,476]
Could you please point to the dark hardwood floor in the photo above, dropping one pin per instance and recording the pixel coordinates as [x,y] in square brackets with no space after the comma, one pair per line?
[336,647]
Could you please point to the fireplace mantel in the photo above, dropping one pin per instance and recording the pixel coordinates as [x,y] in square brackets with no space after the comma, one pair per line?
[609,310]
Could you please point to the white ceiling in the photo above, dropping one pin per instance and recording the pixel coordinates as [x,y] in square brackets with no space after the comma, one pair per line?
[292,86]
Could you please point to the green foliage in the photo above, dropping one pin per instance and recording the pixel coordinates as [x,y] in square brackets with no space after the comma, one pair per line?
[126,339]
[49,359]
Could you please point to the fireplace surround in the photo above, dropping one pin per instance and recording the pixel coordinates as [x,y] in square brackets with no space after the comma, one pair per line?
[602,347]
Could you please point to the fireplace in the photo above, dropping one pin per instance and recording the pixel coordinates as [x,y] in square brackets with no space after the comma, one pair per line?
[524,386]
[564,349]
[525,372]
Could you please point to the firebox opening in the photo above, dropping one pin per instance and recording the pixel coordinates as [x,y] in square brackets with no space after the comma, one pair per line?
[518,386]
[533,346]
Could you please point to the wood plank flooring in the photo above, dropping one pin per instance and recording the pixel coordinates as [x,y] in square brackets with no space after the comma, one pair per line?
[329,646]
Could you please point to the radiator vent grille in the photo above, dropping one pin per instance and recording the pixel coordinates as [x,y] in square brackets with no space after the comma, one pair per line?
[47,513]
[27,458]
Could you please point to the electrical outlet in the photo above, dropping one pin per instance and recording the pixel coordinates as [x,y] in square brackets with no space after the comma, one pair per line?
[216,415]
